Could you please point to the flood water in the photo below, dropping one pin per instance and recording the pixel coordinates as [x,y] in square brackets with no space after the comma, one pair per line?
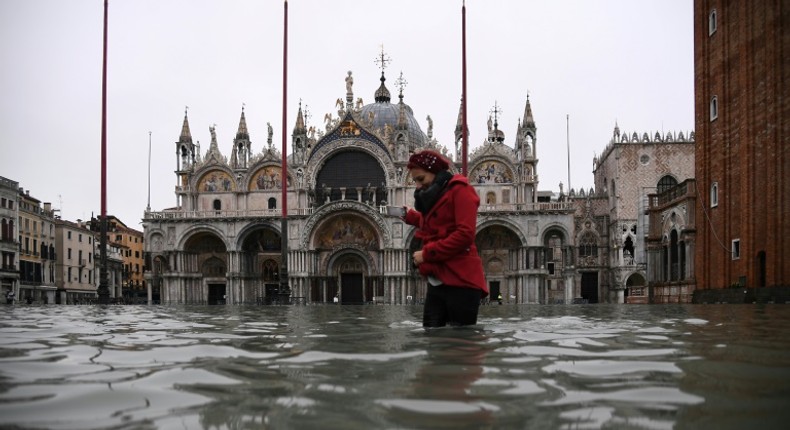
[375,367]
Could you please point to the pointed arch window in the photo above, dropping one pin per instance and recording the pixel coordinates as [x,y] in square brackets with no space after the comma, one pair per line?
[714,194]
[628,251]
[588,245]
[270,271]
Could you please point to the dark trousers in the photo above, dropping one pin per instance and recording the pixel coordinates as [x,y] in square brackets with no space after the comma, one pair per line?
[450,305]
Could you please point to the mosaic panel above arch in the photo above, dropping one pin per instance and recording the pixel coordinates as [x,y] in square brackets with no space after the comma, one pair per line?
[346,229]
[216,181]
[491,172]
[496,237]
[268,178]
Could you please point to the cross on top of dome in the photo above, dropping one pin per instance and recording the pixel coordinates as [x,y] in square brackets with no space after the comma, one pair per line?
[383,60]
[401,84]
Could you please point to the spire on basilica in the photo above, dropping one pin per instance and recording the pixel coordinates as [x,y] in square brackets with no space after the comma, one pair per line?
[382,94]
[213,148]
[241,153]
[299,139]
[186,135]
[402,123]
[184,147]
[242,132]
[528,121]
[299,128]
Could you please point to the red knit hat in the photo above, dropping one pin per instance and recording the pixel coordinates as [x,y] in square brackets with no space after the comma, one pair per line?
[428,160]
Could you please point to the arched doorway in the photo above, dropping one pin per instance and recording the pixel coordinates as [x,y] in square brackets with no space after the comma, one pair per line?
[260,265]
[346,242]
[494,244]
[351,269]
[206,255]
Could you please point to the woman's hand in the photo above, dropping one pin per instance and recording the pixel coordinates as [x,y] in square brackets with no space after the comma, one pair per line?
[417,258]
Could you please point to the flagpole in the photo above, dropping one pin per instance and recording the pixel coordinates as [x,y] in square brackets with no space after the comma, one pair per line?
[284,290]
[103,290]
[148,206]
[568,139]
[464,97]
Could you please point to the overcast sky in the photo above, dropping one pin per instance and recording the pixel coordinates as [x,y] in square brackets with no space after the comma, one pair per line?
[597,61]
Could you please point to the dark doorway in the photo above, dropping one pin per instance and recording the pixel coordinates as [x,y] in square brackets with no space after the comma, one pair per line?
[761,282]
[590,287]
[493,290]
[351,287]
[271,293]
[216,294]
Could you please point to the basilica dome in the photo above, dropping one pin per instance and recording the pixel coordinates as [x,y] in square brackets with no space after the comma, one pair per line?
[386,116]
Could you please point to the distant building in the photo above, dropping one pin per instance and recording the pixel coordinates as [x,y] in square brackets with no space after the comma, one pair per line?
[671,243]
[116,270]
[129,242]
[37,257]
[9,239]
[222,241]
[76,269]
[612,222]
[742,103]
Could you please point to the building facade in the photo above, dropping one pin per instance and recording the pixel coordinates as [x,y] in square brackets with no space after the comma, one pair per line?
[76,273]
[129,242]
[742,103]
[37,256]
[670,242]
[116,270]
[222,242]
[612,222]
[9,242]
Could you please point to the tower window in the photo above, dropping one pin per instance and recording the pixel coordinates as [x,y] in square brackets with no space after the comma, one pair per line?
[736,249]
[712,24]
[714,108]
[714,194]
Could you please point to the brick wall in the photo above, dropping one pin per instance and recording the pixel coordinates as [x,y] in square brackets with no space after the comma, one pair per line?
[745,64]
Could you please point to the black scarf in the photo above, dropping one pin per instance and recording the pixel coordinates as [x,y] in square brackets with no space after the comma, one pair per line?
[425,199]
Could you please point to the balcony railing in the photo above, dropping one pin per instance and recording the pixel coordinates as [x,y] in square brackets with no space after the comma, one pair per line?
[251,213]
[258,213]
[528,207]
[681,190]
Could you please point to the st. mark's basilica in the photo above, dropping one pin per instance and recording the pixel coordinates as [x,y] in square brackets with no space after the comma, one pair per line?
[222,243]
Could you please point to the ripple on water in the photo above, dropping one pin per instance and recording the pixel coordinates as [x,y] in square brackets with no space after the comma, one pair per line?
[610,368]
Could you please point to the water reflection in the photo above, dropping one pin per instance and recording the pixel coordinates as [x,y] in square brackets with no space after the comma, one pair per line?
[360,367]
[440,394]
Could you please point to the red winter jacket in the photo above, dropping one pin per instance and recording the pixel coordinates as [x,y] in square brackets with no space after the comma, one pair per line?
[448,237]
